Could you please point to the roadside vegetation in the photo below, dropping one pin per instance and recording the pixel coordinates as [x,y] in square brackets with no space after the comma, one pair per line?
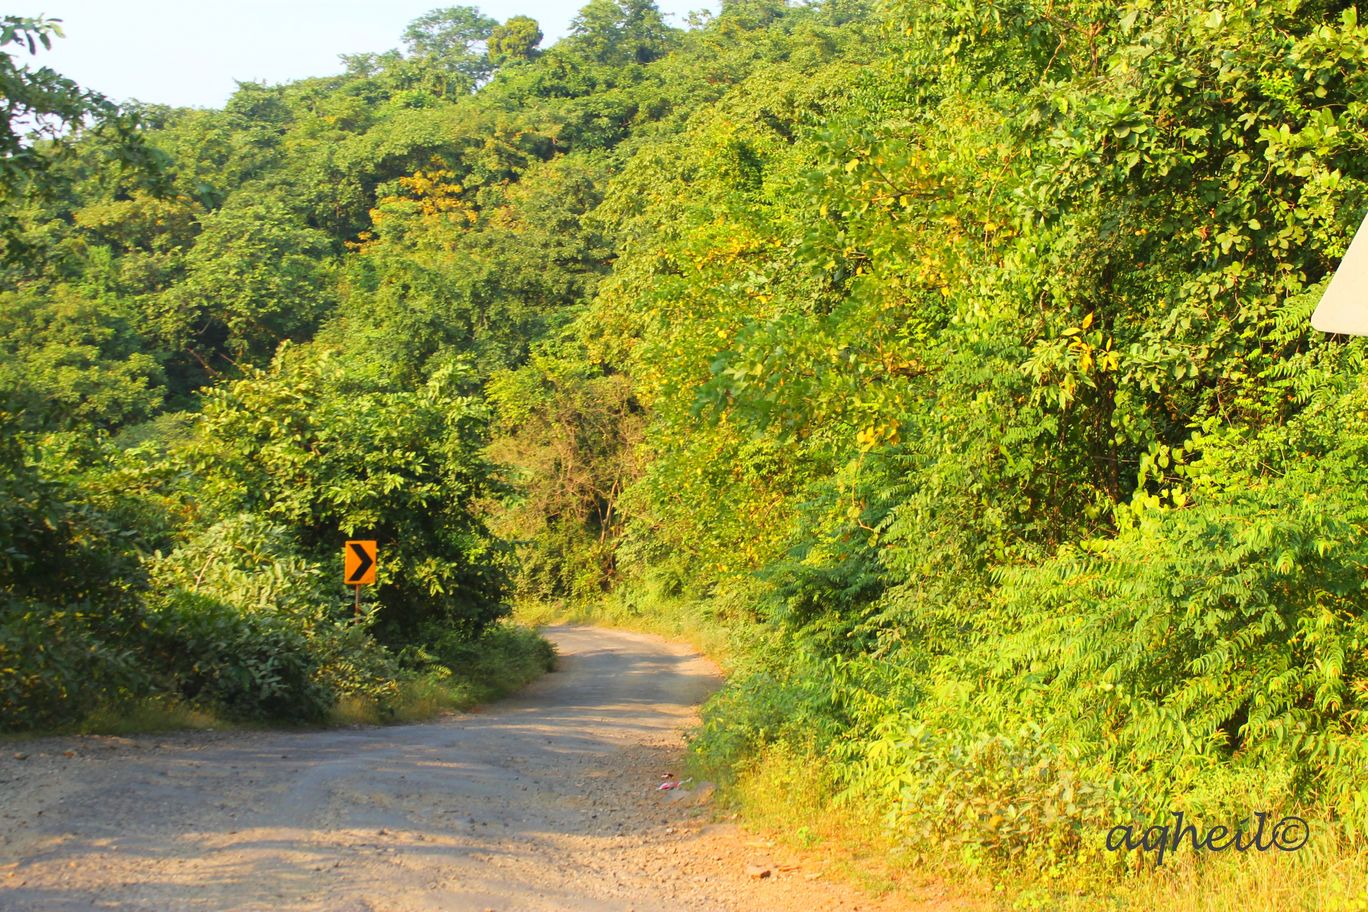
[946,367]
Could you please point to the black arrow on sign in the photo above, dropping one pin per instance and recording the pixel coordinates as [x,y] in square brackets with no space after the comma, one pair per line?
[362,567]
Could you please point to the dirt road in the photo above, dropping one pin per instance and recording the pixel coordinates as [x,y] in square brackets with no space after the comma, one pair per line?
[548,801]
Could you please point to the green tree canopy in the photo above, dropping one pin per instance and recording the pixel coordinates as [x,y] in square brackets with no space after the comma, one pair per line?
[453,38]
[514,40]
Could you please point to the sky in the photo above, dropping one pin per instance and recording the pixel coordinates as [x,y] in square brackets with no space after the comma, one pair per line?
[192,52]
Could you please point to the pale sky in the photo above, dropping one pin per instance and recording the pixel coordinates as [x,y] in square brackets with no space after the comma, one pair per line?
[189,52]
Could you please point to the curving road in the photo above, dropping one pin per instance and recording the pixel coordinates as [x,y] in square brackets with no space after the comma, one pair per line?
[547,801]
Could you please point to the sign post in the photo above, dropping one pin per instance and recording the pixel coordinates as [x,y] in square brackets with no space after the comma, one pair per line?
[358,566]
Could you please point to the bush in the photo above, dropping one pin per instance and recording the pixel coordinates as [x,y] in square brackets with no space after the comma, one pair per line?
[255,567]
[248,667]
[499,661]
[55,667]
[71,527]
[1227,635]
[1003,801]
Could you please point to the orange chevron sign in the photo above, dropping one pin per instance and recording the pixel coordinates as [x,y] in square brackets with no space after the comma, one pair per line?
[358,563]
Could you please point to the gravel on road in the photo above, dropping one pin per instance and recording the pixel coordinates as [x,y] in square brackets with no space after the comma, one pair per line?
[545,802]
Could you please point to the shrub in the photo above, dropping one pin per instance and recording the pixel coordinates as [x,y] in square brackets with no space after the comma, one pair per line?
[500,660]
[249,667]
[1012,801]
[55,667]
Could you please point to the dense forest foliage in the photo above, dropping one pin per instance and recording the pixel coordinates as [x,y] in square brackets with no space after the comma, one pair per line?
[954,357]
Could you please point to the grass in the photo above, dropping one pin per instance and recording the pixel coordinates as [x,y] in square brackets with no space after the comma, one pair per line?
[417,700]
[1331,876]
[152,714]
[787,796]
[464,675]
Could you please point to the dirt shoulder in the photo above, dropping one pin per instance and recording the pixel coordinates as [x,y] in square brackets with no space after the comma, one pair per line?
[547,801]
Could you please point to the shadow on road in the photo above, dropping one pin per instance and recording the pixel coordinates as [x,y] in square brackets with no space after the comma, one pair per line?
[462,813]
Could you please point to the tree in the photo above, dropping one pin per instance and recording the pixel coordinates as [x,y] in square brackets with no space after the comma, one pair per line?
[515,40]
[570,431]
[622,31]
[452,38]
[254,277]
[330,452]
[44,111]
[75,360]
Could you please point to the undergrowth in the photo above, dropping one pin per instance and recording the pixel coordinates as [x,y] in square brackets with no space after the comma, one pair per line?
[1000,822]
[450,676]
